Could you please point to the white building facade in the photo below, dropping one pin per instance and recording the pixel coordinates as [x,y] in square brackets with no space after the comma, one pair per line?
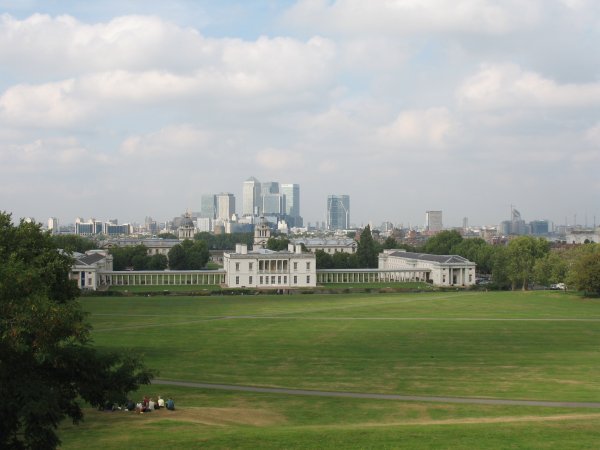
[268,269]
[440,270]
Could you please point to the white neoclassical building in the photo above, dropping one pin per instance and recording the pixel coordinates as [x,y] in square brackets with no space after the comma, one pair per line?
[89,269]
[263,268]
[440,270]
[335,245]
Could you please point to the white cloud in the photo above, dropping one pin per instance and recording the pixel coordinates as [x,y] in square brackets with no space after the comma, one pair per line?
[592,135]
[136,61]
[401,17]
[46,155]
[169,142]
[504,86]
[430,128]
[279,159]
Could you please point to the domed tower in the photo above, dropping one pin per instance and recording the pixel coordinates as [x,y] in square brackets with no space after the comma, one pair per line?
[186,230]
[262,233]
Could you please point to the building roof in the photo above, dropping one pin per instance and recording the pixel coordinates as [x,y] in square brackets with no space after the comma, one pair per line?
[444,259]
[88,260]
[319,242]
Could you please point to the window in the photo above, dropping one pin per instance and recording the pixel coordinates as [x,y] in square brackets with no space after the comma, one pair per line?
[307,279]
[295,279]
[307,266]
[285,279]
[250,280]
[470,278]
[279,279]
[295,266]
[237,267]
[273,279]
[237,280]
[260,280]
[266,280]
[250,265]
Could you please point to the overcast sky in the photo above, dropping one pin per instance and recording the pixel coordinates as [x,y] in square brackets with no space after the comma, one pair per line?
[123,109]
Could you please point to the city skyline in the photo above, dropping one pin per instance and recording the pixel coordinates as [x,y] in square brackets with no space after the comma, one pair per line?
[129,109]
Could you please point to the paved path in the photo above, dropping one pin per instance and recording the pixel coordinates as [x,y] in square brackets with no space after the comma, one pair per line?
[417,398]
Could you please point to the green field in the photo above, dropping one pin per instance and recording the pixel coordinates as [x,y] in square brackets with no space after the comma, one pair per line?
[535,345]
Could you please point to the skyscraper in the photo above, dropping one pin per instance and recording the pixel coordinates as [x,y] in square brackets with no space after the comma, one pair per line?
[53,225]
[433,221]
[272,204]
[225,206]
[251,197]
[291,193]
[338,212]
[208,206]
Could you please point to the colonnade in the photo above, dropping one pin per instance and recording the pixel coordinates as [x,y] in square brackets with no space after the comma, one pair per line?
[163,278]
[371,276]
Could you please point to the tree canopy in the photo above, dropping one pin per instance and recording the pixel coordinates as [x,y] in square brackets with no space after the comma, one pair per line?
[47,363]
[189,255]
[367,251]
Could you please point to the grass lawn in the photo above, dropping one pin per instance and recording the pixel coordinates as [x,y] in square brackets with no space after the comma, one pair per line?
[535,345]
[170,288]
[394,285]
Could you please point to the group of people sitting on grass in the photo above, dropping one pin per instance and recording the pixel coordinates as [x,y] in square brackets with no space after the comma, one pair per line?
[144,406]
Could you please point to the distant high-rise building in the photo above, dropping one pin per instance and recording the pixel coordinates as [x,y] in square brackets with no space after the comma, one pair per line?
[53,225]
[433,221]
[251,197]
[338,212]
[540,227]
[208,206]
[272,204]
[269,187]
[225,206]
[291,193]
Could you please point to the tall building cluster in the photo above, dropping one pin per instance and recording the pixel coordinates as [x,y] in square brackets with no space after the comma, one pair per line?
[271,198]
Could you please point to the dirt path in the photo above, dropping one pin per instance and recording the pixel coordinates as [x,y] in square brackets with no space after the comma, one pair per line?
[417,398]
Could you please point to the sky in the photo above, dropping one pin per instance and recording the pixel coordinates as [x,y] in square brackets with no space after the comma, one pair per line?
[133,108]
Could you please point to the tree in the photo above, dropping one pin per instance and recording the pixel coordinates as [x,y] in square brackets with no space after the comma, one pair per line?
[277,243]
[523,252]
[366,252]
[390,243]
[47,363]
[167,236]
[158,262]
[443,242]
[323,260]
[550,269]
[477,251]
[189,255]
[586,274]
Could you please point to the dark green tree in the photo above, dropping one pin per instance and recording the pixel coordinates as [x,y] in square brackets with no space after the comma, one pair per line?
[390,243]
[134,257]
[278,243]
[442,243]
[477,251]
[158,262]
[366,252]
[47,363]
[177,258]
[323,260]
[189,255]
